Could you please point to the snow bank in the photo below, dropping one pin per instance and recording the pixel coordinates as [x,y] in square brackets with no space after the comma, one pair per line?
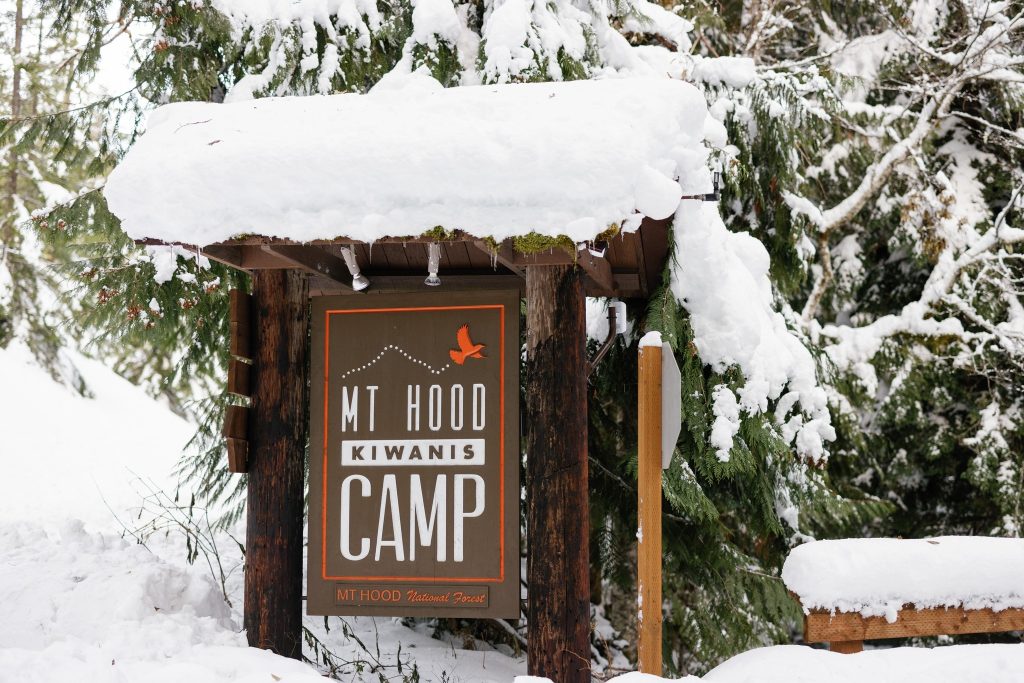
[73,584]
[90,606]
[800,664]
[721,278]
[877,576]
[555,158]
[81,606]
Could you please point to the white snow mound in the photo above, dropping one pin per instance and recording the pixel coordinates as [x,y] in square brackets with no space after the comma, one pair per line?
[62,583]
[555,158]
[82,606]
[801,664]
[878,576]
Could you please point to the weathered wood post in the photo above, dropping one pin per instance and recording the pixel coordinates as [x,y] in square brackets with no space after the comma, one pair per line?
[649,451]
[277,441]
[557,519]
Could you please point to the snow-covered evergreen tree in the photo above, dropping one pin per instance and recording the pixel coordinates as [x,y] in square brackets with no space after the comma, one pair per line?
[910,194]
[36,171]
[878,158]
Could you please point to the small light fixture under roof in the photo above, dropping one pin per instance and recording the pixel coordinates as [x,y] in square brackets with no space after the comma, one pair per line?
[433,263]
[596,250]
[359,281]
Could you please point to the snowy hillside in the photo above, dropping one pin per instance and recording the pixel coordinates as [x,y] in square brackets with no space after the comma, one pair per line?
[69,456]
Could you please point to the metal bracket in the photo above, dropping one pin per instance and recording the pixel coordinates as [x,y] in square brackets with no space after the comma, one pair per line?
[715,194]
[606,347]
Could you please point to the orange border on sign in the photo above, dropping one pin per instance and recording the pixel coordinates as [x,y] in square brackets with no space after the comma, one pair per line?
[501,451]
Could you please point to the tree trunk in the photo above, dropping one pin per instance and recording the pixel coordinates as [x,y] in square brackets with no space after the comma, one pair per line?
[277,443]
[557,518]
[7,228]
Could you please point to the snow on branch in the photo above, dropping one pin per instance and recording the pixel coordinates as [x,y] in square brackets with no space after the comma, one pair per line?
[517,40]
[982,58]
[857,345]
[721,278]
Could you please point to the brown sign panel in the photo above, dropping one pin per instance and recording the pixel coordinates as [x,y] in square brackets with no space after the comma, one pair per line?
[414,455]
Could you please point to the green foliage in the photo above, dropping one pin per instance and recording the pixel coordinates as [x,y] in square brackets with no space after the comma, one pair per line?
[766,165]
[725,537]
[173,332]
[39,157]
[534,243]
[171,336]
[932,423]
[6,328]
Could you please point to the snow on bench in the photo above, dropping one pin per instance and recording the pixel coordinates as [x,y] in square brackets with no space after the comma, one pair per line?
[874,588]
[497,161]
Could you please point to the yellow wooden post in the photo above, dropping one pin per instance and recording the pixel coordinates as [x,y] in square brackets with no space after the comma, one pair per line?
[649,509]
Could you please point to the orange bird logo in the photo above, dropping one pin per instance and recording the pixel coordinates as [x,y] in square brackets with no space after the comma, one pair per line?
[467,349]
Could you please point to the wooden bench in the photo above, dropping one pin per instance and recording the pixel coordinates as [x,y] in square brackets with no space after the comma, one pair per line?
[835,580]
[846,631]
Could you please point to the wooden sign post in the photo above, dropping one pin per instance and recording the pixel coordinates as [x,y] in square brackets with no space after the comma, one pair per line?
[659,397]
[649,509]
[277,437]
[236,422]
[557,512]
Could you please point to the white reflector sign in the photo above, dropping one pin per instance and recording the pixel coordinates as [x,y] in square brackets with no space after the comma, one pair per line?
[671,404]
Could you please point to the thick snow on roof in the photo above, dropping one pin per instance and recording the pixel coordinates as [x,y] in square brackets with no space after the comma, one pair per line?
[555,158]
[877,576]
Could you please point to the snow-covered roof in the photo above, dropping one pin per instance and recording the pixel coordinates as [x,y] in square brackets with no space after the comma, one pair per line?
[878,576]
[497,161]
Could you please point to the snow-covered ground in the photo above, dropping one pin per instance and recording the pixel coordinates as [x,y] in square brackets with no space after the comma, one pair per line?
[799,664]
[83,600]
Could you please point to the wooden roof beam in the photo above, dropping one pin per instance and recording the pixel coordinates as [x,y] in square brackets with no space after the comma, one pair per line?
[313,260]
[504,255]
[253,254]
[599,271]
[321,286]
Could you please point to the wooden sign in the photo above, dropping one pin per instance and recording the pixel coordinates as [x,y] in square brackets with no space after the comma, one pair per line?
[414,466]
